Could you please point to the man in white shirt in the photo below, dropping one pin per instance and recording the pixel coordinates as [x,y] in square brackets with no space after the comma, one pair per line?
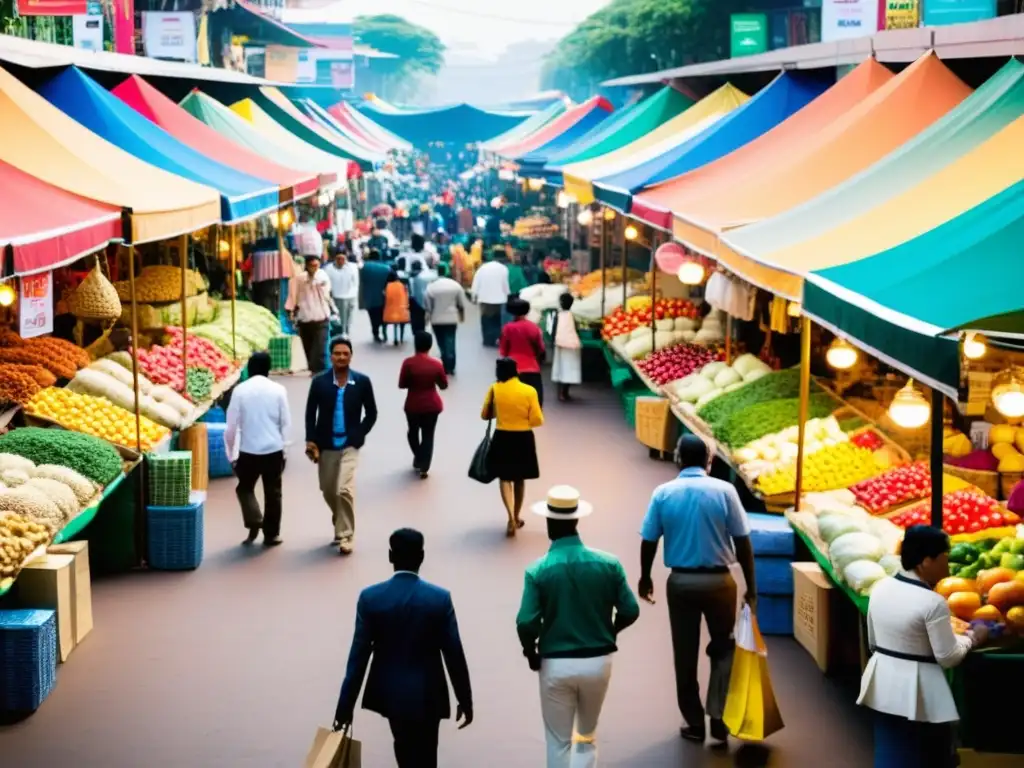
[344,277]
[446,308]
[310,308]
[490,290]
[258,421]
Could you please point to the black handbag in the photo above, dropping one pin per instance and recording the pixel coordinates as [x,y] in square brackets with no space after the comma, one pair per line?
[479,467]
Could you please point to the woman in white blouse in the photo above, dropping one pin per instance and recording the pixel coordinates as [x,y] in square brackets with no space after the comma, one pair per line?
[912,642]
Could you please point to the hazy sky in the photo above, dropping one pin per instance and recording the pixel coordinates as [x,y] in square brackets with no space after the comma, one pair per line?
[486,26]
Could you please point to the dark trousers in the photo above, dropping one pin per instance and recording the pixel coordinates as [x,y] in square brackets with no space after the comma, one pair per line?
[249,468]
[536,381]
[445,337]
[692,596]
[421,438]
[417,317]
[490,323]
[902,743]
[415,742]
[376,321]
[314,344]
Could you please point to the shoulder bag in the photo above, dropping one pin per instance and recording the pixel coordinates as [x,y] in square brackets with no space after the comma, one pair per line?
[479,468]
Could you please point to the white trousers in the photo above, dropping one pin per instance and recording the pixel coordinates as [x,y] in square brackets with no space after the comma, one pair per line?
[572,692]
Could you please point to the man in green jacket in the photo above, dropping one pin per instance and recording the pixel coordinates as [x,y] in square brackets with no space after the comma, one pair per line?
[575,602]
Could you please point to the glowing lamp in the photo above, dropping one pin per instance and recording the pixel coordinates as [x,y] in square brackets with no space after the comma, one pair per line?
[631,232]
[840,355]
[286,217]
[793,309]
[6,295]
[909,409]
[585,218]
[609,214]
[224,246]
[535,184]
[273,219]
[691,273]
[562,200]
[974,347]
[1008,392]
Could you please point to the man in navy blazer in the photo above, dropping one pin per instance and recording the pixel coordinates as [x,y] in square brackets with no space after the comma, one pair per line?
[340,412]
[408,626]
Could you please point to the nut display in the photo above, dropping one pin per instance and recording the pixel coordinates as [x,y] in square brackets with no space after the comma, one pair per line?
[89,456]
[19,538]
[160,283]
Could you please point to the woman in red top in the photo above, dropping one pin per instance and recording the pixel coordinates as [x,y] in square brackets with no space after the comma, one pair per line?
[522,341]
[422,376]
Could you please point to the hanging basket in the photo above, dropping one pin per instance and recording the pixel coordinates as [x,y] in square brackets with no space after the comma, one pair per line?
[96,298]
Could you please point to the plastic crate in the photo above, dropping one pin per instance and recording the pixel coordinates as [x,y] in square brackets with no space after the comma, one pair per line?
[170,478]
[280,349]
[774,575]
[775,615]
[216,415]
[771,535]
[28,658]
[628,398]
[220,464]
[175,537]
[655,426]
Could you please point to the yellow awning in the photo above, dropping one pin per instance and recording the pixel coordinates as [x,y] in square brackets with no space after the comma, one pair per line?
[578,176]
[42,141]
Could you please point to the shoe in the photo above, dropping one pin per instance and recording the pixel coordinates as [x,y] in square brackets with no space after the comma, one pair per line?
[695,735]
[273,542]
[251,538]
[336,541]
[345,547]
[423,474]
[719,732]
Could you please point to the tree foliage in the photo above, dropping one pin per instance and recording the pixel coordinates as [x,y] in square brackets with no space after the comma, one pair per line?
[634,36]
[419,50]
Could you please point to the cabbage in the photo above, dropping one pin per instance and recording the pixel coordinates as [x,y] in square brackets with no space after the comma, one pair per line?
[861,575]
[689,335]
[853,546]
[711,370]
[754,375]
[707,398]
[639,333]
[639,347]
[891,564]
[725,377]
[696,389]
[744,364]
[733,387]
[685,324]
[707,336]
[664,339]
[832,526]
[666,324]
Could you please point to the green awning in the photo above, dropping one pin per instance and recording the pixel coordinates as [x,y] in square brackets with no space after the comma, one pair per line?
[907,304]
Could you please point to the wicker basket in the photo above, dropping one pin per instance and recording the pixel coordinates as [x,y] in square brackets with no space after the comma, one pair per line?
[987,482]
[1007,482]
[95,298]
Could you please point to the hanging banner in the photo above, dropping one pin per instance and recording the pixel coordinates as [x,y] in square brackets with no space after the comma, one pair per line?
[846,19]
[35,305]
[748,34]
[87,32]
[281,64]
[939,12]
[53,7]
[902,14]
[124,26]
[169,35]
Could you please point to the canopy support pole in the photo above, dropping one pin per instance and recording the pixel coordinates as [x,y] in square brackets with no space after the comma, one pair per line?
[135,346]
[619,229]
[935,458]
[184,311]
[654,297]
[232,233]
[604,262]
[805,393]
[728,339]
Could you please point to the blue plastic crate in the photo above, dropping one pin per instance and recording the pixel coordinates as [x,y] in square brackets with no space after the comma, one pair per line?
[774,575]
[220,465]
[175,537]
[216,415]
[28,658]
[775,615]
[771,535]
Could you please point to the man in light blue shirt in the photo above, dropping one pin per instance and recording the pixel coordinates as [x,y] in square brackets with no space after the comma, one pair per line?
[706,530]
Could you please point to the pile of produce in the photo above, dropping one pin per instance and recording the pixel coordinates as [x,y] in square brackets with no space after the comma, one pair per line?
[60,358]
[198,383]
[777,450]
[94,416]
[19,538]
[16,388]
[163,364]
[829,467]
[33,503]
[897,486]
[160,284]
[109,380]
[868,438]
[533,227]
[640,311]
[1005,452]
[963,511]
[255,326]
[749,423]
[987,582]
[88,456]
[778,385]
[677,362]
[41,375]
[201,352]
[592,281]
[716,378]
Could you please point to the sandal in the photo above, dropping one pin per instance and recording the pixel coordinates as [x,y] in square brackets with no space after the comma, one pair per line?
[510,530]
[520,522]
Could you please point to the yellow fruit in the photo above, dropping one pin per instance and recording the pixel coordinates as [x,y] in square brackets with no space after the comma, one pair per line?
[95,416]
[1012,462]
[1001,433]
[1002,450]
[958,445]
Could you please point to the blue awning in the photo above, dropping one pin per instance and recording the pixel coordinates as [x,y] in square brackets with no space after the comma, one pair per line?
[86,101]
[460,124]
[785,95]
[533,163]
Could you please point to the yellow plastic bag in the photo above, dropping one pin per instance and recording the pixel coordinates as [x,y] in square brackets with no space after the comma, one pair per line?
[751,712]
[334,749]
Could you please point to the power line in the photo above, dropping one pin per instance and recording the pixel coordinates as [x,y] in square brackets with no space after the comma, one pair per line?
[492,17]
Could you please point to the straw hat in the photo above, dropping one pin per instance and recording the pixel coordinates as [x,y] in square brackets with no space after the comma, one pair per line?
[563,503]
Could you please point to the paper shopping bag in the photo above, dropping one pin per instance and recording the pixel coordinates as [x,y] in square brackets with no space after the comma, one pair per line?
[334,749]
[751,712]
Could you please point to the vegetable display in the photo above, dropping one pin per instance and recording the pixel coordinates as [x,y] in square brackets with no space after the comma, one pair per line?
[828,468]
[676,362]
[33,504]
[198,383]
[83,488]
[716,378]
[88,456]
[160,283]
[94,416]
[964,511]
[897,486]
[987,581]
[751,422]
[779,385]
[641,311]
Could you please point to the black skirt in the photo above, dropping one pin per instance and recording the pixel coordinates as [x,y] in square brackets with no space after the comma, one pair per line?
[513,456]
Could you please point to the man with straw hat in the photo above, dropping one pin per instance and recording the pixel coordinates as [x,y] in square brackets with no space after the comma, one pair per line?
[576,601]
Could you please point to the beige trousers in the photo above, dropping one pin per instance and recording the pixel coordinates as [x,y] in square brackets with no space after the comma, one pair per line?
[338,485]
[572,693]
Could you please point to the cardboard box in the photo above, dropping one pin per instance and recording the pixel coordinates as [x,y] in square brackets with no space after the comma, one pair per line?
[46,583]
[81,586]
[811,591]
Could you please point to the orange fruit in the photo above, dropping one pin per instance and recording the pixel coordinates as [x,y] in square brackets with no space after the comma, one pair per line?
[964,605]
[987,613]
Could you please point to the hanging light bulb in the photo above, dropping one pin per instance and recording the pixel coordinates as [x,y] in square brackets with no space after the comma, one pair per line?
[586,216]
[974,347]
[273,219]
[6,295]
[224,246]
[609,214]
[535,184]
[691,273]
[840,355]
[1008,392]
[631,232]
[562,200]
[909,409]
[286,217]
[794,309]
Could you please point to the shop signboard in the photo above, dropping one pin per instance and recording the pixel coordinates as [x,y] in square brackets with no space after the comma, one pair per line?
[53,7]
[87,32]
[35,305]
[748,34]
[847,19]
[939,12]
[169,35]
[902,14]
[281,64]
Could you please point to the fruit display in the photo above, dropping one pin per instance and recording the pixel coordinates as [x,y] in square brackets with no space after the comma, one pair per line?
[964,511]
[626,320]
[254,327]
[677,362]
[987,582]
[895,487]
[765,418]
[198,383]
[534,227]
[89,456]
[160,283]
[108,380]
[19,538]
[777,450]
[201,352]
[829,467]
[163,364]
[716,378]
[1005,452]
[94,416]
[592,281]
[868,438]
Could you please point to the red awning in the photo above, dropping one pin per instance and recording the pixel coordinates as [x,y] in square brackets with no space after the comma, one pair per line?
[46,227]
[338,113]
[149,102]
